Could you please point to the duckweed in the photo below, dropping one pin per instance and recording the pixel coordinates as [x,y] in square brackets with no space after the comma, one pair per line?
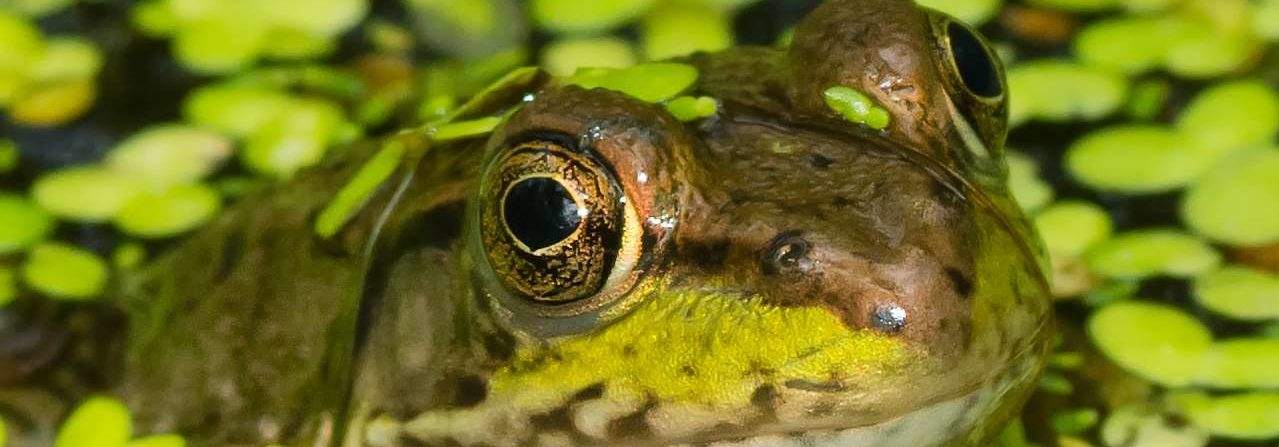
[464,129]
[8,156]
[1232,115]
[170,154]
[1266,19]
[1158,342]
[1185,44]
[1154,251]
[563,57]
[238,110]
[1030,191]
[676,29]
[212,37]
[1077,5]
[294,140]
[22,224]
[128,256]
[98,422]
[356,192]
[688,108]
[1136,159]
[1143,425]
[1070,228]
[1249,416]
[1245,363]
[1235,202]
[572,16]
[1035,92]
[1240,292]
[856,107]
[974,12]
[64,271]
[1075,422]
[650,82]
[175,210]
[44,82]
[84,193]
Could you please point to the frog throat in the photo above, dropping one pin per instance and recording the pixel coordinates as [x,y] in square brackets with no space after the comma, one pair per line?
[711,356]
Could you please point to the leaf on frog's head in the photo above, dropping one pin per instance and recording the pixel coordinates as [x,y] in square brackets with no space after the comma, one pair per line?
[500,95]
[652,82]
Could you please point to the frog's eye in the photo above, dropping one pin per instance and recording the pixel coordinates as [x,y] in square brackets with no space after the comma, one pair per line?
[555,223]
[973,60]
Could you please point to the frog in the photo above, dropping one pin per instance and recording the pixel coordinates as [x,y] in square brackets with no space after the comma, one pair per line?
[596,271]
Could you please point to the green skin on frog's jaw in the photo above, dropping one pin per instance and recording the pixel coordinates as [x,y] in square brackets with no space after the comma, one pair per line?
[771,275]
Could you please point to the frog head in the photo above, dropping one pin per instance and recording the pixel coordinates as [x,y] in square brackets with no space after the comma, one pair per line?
[598,272]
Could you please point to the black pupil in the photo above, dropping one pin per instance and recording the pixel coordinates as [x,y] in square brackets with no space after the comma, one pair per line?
[975,66]
[540,212]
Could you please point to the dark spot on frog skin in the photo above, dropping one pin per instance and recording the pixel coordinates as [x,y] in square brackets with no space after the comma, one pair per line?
[819,161]
[788,254]
[709,255]
[963,285]
[556,419]
[688,371]
[232,251]
[632,426]
[470,391]
[500,346]
[765,397]
[592,392]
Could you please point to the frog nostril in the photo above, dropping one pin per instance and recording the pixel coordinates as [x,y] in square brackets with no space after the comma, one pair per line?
[788,252]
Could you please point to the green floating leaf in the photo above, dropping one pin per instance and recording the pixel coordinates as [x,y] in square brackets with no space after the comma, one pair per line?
[1144,425]
[1077,5]
[464,129]
[1241,364]
[170,154]
[1232,115]
[650,82]
[22,224]
[575,16]
[973,12]
[128,256]
[1206,50]
[67,59]
[323,17]
[219,44]
[674,29]
[1251,416]
[158,441]
[688,108]
[176,210]
[563,57]
[1158,342]
[356,192]
[1235,201]
[85,193]
[1030,191]
[1148,99]
[1136,160]
[98,422]
[1075,422]
[1266,19]
[293,140]
[1241,293]
[1035,92]
[64,271]
[1127,44]
[238,110]
[856,107]
[1143,253]
[1072,227]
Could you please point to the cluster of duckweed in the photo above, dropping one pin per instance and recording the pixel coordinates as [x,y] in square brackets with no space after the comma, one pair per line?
[1148,163]
[45,80]
[1152,178]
